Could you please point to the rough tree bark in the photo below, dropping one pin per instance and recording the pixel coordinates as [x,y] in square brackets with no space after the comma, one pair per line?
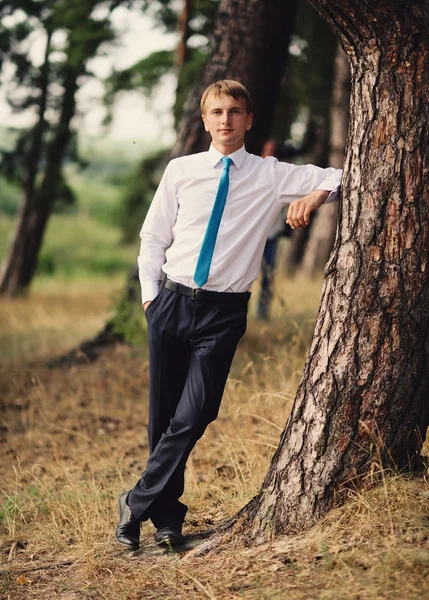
[322,236]
[366,380]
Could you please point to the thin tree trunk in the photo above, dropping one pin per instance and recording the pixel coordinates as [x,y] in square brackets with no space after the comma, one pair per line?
[11,268]
[323,230]
[21,262]
[363,397]
[184,32]
[182,57]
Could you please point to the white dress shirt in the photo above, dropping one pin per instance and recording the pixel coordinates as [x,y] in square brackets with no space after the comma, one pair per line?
[175,225]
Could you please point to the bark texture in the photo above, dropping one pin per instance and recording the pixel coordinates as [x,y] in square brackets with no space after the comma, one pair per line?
[363,397]
[322,236]
[250,43]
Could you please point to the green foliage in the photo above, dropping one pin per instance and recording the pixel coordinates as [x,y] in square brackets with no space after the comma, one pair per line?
[163,12]
[307,86]
[14,156]
[143,75]
[10,197]
[129,320]
[29,159]
[139,188]
[189,74]
[81,245]
[97,198]
[76,245]
[315,65]
[147,73]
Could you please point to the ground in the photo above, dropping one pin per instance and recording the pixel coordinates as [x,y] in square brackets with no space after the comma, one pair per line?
[73,439]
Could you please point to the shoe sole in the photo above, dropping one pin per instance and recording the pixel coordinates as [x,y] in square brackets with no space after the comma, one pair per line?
[169,541]
[129,546]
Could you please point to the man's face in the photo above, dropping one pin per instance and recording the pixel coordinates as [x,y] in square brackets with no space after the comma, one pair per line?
[227,120]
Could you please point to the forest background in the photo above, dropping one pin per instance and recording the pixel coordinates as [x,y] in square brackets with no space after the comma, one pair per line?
[72,435]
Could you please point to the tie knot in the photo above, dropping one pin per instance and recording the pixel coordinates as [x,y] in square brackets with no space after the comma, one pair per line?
[227,162]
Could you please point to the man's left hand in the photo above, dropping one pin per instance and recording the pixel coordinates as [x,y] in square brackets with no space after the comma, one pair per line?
[299,211]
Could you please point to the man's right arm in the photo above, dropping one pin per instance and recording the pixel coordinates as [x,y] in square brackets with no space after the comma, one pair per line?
[156,236]
[304,188]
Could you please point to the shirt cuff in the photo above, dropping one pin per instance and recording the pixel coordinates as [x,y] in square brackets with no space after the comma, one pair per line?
[150,290]
[333,196]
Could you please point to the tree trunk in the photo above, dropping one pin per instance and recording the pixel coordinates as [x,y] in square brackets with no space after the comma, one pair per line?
[20,265]
[322,234]
[10,272]
[250,44]
[184,33]
[363,397]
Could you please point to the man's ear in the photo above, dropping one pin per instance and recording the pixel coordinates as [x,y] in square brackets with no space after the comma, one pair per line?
[249,121]
[203,116]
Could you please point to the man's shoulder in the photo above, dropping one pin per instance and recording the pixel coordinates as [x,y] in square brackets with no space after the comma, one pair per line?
[259,164]
[267,161]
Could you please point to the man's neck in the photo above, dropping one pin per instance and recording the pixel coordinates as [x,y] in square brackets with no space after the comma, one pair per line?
[227,150]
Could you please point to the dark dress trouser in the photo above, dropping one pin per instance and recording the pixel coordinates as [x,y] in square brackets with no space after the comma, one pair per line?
[191,347]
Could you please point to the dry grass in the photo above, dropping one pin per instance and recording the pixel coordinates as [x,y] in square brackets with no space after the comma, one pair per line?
[72,440]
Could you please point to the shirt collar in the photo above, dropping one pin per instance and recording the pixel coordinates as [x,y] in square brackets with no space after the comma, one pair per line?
[237,157]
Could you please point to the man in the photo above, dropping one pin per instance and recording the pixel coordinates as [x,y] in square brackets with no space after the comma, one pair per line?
[201,248]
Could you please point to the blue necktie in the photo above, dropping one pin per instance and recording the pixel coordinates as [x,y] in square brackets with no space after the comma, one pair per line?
[202,269]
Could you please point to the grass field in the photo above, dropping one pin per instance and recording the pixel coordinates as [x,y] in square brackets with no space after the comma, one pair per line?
[74,439]
[76,246]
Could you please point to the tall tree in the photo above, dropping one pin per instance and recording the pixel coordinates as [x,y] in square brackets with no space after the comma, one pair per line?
[363,396]
[322,235]
[85,33]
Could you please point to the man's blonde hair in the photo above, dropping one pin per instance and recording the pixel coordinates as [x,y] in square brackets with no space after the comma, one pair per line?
[229,87]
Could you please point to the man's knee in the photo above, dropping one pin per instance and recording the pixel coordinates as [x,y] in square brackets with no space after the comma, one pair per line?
[193,424]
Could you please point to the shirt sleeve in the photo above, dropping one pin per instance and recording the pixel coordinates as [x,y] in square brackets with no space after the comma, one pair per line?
[295,181]
[157,235]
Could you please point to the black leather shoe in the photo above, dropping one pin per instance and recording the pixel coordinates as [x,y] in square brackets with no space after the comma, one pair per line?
[170,535]
[128,530]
